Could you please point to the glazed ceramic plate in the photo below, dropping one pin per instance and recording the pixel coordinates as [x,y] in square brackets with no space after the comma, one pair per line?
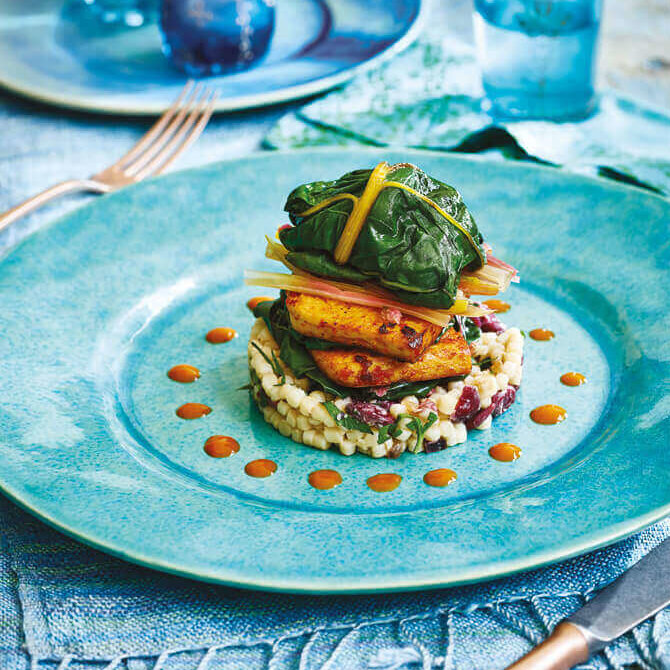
[98,306]
[60,56]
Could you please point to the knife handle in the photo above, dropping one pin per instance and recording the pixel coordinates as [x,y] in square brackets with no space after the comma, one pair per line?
[562,650]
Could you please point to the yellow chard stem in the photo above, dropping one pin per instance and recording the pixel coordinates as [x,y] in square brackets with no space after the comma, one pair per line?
[359,213]
[329,201]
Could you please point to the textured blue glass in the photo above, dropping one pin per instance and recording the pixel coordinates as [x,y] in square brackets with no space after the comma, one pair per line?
[103,17]
[538,56]
[206,37]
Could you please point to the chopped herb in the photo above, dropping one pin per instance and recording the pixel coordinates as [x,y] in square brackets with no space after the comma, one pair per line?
[274,364]
[485,363]
[257,390]
[417,426]
[347,422]
[391,430]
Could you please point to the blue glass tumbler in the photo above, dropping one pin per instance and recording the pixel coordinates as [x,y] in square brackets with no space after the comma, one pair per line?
[210,37]
[538,57]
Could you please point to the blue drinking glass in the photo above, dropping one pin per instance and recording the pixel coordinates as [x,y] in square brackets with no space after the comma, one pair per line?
[538,57]
[210,37]
[100,18]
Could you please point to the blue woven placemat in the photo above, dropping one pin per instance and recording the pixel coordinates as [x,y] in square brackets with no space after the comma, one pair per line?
[80,606]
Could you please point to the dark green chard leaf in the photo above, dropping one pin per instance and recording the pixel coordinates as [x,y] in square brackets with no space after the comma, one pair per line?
[347,422]
[324,266]
[405,245]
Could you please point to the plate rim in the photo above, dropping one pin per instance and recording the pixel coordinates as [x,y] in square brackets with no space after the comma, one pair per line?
[330,586]
[368,584]
[91,103]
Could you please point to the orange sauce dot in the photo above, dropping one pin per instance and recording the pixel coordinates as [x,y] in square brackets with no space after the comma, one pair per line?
[261,467]
[221,446]
[193,410]
[185,374]
[548,414]
[253,302]
[440,477]
[573,379]
[497,305]
[219,335]
[384,482]
[505,451]
[541,334]
[324,479]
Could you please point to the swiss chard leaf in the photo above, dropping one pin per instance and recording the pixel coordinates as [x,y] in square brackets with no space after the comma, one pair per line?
[406,245]
[347,422]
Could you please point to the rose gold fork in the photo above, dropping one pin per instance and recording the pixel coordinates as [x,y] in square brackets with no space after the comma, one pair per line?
[178,127]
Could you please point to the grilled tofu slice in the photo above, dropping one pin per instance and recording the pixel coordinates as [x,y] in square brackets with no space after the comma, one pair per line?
[358,368]
[361,326]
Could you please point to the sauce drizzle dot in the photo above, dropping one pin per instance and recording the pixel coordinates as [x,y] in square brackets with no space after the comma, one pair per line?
[573,379]
[497,305]
[220,335]
[221,446]
[253,302]
[184,374]
[548,414]
[384,482]
[261,467]
[541,334]
[505,451]
[440,477]
[193,410]
[324,479]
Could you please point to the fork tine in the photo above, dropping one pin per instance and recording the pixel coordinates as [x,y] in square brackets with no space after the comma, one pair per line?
[157,128]
[186,135]
[150,150]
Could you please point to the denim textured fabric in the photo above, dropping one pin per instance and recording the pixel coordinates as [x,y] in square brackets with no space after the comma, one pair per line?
[65,606]
[80,608]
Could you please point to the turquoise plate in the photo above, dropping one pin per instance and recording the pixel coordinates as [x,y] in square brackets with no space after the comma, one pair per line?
[97,307]
[64,57]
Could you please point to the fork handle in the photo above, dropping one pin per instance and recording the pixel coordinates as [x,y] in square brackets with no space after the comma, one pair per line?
[55,191]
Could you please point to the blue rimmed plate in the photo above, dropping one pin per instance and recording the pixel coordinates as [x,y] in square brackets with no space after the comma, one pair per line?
[317,44]
[98,306]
